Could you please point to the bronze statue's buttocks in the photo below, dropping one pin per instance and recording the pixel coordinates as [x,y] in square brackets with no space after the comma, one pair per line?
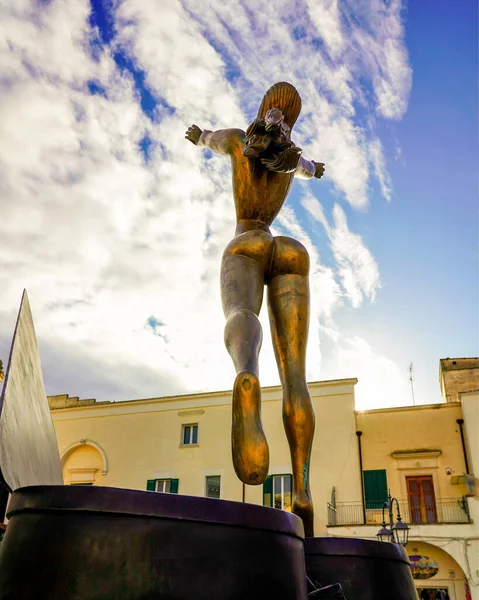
[255,245]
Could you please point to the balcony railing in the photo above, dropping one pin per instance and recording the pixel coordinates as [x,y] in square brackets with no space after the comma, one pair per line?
[450,510]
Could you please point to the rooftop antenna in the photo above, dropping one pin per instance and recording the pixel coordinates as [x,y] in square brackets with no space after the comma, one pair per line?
[412,385]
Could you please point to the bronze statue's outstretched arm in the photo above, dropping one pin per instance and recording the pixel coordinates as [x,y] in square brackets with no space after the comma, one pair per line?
[222,141]
[309,168]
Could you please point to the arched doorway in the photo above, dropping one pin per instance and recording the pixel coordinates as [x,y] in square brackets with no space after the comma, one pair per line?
[436,574]
[84,463]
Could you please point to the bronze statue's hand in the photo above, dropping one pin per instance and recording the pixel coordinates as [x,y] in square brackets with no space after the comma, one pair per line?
[193,134]
[319,169]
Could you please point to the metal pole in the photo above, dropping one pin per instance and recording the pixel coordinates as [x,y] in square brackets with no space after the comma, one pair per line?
[390,508]
[385,505]
[460,422]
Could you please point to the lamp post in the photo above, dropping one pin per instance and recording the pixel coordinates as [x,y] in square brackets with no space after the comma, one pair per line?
[397,532]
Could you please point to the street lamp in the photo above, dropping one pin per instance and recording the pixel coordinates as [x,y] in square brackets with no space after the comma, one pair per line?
[398,532]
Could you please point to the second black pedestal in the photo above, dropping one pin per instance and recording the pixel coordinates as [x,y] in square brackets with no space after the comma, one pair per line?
[366,569]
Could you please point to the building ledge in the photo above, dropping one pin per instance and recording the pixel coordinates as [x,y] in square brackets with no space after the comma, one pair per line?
[64,403]
[419,453]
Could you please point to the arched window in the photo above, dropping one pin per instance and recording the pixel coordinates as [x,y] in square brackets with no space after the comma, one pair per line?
[84,463]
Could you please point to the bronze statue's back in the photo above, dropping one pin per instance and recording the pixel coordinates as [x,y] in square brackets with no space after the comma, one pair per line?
[259,193]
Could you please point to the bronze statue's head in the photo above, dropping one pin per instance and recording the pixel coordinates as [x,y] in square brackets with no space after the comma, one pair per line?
[268,138]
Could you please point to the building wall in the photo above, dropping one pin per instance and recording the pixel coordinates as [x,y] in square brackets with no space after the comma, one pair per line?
[448,573]
[403,441]
[470,413]
[426,440]
[141,440]
[458,375]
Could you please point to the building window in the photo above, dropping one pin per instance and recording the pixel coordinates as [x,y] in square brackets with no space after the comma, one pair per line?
[189,435]
[277,492]
[164,486]
[375,488]
[422,502]
[213,485]
[81,475]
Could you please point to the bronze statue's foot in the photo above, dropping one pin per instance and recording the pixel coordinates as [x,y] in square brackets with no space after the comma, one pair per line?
[250,448]
[303,508]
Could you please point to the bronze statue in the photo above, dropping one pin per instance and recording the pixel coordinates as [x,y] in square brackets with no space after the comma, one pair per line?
[264,161]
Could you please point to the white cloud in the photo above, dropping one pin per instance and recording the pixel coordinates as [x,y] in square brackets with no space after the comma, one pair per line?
[356,267]
[180,64]
[101,240]
[380,50]
[379,163]
[380,382]
[104,239]
[326,17]
[318,45]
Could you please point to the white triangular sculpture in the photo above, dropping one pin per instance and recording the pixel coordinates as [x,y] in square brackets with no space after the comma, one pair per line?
[28,445]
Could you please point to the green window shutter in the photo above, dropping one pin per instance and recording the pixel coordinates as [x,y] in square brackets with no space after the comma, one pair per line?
[174,486]
[288,492]
[375,488]
[151,485]
[268,491]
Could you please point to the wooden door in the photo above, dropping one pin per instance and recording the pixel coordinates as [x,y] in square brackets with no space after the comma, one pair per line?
[422,502]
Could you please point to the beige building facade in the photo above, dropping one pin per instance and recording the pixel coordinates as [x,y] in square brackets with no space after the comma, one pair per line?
[427,456]
[183,444]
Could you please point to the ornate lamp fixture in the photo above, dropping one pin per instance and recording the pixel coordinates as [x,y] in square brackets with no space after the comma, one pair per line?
[397,532]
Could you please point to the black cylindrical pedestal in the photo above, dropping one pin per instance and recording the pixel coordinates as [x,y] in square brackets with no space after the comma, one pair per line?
[366,570]
[87,543]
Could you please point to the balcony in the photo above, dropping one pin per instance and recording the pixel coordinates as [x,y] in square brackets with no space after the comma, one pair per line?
[451,510]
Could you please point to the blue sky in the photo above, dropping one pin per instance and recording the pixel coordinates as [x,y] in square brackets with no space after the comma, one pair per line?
[115,224]
[425,239]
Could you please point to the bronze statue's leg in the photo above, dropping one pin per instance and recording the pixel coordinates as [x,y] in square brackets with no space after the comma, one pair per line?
[288,303]
[242,285]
